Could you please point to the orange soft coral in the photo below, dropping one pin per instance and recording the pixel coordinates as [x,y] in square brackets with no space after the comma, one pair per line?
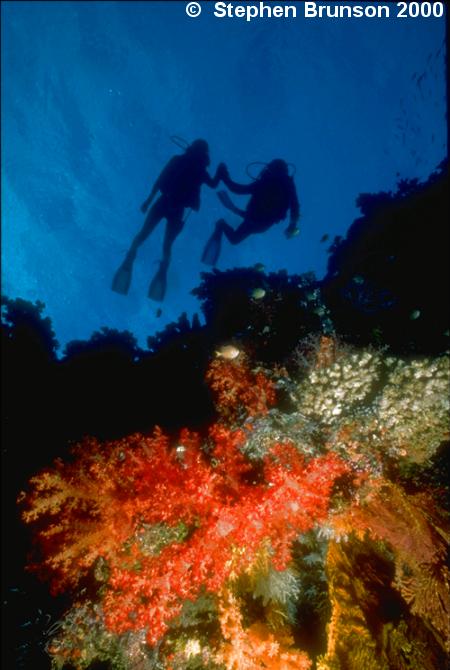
[256,647]
[238,390]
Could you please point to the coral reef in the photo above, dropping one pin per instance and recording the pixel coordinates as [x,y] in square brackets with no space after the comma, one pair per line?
[371,625]
[155,523]
[417,536]
[239,391]
[255,647]
[299,522]
[388,278]
[386,403]
[294,511]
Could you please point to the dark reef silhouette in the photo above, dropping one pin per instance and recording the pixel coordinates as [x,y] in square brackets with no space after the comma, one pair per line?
[388,280]
[387,285]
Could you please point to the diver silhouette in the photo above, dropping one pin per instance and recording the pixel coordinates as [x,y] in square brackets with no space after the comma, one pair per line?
[273,194]
[179,183]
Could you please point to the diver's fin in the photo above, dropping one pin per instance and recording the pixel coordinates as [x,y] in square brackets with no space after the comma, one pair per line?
[229,204]
[157,288]
[211,252]
[122,280]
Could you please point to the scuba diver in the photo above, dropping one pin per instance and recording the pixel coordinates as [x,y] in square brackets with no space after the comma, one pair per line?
[179,183]
[273,194]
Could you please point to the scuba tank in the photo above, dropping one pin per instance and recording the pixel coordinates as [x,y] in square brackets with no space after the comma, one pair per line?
[182,178]
[271,197]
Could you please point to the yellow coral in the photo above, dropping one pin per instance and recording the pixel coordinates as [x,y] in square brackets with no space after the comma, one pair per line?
[417,533]
[370,627]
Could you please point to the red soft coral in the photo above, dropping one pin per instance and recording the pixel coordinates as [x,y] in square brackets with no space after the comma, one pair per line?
[238,390]
[102,504]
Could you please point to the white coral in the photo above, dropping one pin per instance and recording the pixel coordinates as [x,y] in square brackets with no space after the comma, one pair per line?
[396,403]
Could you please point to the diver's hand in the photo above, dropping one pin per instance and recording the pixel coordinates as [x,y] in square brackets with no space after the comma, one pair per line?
[222,171]
[292,231]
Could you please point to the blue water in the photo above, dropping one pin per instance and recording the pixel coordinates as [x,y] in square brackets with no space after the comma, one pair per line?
[92,92]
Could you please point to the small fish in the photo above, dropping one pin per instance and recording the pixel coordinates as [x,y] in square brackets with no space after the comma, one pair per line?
[266,329]
[415,314]
[158,312]
[324,238]
[228,351]
[259,267]
[319,311]
[358,279]
[257,293]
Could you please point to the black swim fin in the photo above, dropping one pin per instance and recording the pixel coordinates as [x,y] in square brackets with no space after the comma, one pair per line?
[211,252]
[158,285]
[122,279]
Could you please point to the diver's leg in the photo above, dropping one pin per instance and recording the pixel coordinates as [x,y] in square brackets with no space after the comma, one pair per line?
[173,229]
[157,288]
[154,216]
[122,279]
[211,251]
[234,236]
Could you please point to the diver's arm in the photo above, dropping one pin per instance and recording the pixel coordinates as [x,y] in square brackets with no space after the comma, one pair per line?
[146,204]
[234,187]
[213,182]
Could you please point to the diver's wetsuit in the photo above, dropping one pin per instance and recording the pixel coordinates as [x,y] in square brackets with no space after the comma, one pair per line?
[180,183]
[272,198]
